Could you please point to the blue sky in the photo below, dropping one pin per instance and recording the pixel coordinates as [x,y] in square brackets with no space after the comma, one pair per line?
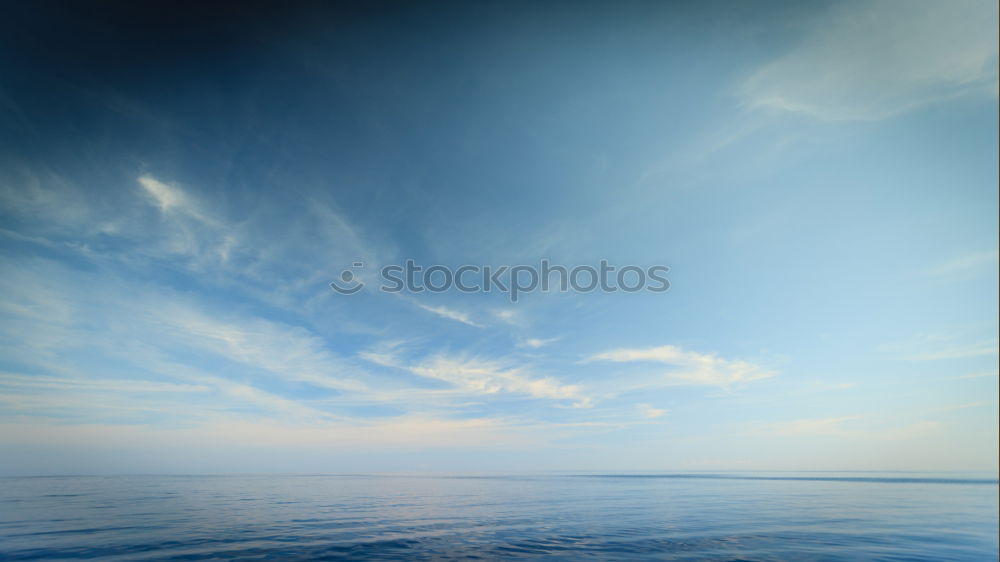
[178,186]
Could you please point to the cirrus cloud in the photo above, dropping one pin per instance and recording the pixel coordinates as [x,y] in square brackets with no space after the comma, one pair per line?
[873,60]
[690,367]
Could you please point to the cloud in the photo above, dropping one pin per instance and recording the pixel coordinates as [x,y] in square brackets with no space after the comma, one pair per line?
[536,343]
[965,406]
[132,345]
[813,426]
[840,427]
[168,198]
[984,374]
[969,263]
[58,212]
[483,377]
[445,312]
[648,411]
[937,347]
[384,359]
[227,431]
[290,352]
[690,368]
[91,384]
[195,397]
[149,221]
[980,349]
[874,60]
[507,315]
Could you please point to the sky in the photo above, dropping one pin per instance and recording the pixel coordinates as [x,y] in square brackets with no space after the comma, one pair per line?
[180,183]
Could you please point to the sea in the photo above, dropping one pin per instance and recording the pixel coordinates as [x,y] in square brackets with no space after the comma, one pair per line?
[664,516]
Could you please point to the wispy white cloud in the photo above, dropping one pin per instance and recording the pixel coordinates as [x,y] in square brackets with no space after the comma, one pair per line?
[61,212]
[91,384]
[483,377]
[811,426]
[969,263]
[536,343]
[984,374]
[979,349]
[507,315]
[144,402]
[145,339]
[290,352]
[221,433]
[690,367]
[650,412]
[937,347]
[155,221]
[873,60]
[450,314]
[845,427]
[486,377]
[168,198]
[965,406]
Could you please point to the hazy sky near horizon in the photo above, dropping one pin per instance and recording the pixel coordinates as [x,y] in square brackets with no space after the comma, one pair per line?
[180,183]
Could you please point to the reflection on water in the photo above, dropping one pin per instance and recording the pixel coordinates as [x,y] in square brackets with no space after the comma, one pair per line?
[773,516]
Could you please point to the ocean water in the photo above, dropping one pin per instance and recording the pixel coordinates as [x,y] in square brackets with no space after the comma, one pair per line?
[776,516]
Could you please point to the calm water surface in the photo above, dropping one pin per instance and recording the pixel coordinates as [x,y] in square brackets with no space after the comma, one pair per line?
[801,516]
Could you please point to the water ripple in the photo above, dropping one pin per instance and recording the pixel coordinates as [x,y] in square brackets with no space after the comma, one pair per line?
[680,516]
